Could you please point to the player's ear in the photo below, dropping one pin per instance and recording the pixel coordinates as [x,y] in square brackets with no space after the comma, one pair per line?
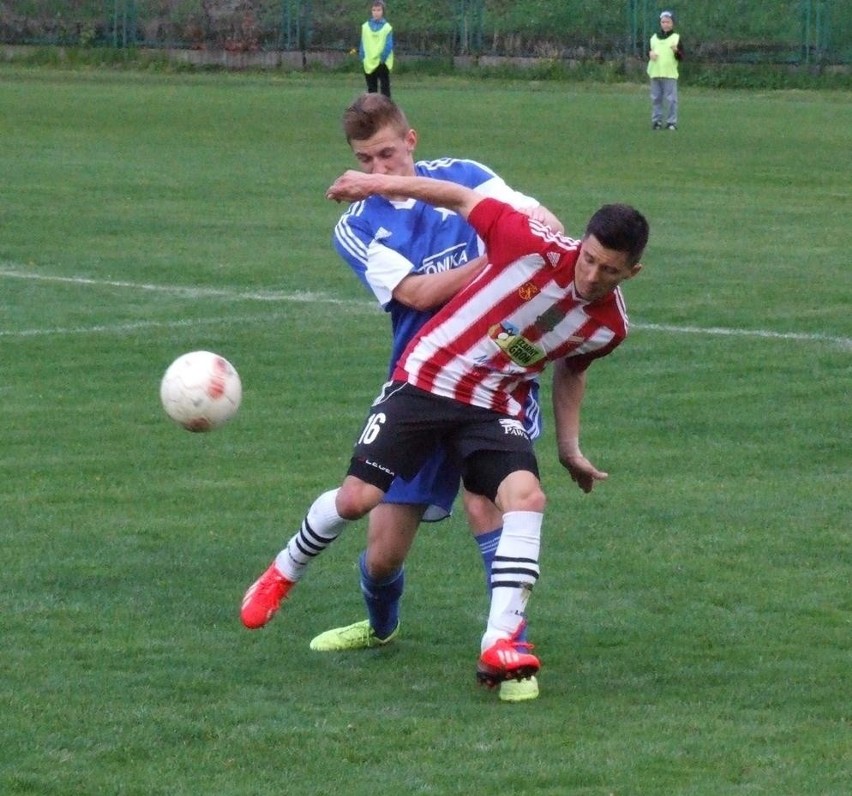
[635,270]
[411,140]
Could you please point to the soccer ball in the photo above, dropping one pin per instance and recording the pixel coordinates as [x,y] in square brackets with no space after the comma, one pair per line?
[201,391]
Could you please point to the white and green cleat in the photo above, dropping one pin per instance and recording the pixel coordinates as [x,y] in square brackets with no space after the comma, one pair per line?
[359,636]
[519,690]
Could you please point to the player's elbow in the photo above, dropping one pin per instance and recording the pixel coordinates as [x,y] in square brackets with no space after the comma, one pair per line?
[422,303]
[412,293]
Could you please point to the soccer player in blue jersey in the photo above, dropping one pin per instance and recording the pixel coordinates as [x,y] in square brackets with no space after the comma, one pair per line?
[413,258]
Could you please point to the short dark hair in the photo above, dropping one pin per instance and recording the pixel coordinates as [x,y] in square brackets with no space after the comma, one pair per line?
[621,228]
[369,114]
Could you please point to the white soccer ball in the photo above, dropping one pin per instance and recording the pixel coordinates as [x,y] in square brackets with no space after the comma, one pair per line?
[201,391]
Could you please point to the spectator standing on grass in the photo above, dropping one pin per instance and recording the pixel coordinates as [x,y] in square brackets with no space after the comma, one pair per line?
[663,59]
[376,50]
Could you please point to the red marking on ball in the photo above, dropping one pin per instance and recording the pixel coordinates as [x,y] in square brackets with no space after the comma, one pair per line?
[216,387]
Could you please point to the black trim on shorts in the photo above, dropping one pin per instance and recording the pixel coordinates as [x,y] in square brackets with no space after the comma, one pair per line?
[485,470]
[371,473]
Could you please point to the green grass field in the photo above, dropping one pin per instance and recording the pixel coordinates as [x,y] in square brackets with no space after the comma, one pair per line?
[693,615]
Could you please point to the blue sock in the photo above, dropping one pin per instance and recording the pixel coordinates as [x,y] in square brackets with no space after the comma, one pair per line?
[382,599]
[487,548]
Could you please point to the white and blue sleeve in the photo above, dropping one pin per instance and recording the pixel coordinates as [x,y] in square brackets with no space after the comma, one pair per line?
[379,268]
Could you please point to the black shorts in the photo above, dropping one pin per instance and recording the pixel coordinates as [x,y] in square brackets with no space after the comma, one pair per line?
[406,425]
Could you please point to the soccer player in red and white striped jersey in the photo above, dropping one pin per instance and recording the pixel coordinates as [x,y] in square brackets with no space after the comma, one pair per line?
[523,311]
[461,383]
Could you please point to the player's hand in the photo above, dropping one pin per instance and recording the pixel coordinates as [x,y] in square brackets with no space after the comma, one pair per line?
[582,471]
[351,186]
[543,216]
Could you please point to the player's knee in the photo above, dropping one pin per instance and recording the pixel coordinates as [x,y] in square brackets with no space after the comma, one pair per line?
[356,498]
[534,500]
[482,514]
[521,491]
[351,507]
[381,564]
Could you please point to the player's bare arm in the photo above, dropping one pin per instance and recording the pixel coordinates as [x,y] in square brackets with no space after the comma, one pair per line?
[352,186]
[569,387]
[428,291]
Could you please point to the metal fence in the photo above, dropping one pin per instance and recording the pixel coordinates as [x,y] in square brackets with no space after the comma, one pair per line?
[777,31]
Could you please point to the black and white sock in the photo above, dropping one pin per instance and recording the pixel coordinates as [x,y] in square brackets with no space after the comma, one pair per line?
[321,526]
[513,574]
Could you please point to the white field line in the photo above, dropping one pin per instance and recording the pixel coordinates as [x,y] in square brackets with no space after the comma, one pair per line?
[320,298]
[134,326]
[176,290]
[843,342]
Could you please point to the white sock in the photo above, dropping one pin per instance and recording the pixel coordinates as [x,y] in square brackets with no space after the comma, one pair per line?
[321,526]
[513,573]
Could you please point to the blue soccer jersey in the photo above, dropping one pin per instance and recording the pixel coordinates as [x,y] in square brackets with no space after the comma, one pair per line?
[384,241]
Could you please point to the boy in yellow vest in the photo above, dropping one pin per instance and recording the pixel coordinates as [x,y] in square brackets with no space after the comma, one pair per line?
[663,58]
[376,49]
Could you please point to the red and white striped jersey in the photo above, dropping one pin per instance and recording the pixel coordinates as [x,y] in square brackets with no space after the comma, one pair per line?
[488,342]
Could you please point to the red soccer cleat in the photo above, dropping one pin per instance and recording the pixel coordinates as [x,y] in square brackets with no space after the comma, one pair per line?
[506,659]
[264,598]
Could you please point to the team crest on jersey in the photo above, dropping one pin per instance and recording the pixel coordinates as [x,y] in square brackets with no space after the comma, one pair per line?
[527,291]
[520,350]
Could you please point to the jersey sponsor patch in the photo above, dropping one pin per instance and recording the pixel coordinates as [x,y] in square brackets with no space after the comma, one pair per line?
[549,319]
[520,350]
[445,260]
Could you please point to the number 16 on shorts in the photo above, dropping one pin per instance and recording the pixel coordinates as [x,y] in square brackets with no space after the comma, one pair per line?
[372,428]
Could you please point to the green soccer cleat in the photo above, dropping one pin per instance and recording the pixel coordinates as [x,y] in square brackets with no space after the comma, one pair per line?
[519,690]
[359,636]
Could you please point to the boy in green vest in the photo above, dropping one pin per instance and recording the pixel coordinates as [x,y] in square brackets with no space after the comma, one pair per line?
[376,49]
[665,53]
